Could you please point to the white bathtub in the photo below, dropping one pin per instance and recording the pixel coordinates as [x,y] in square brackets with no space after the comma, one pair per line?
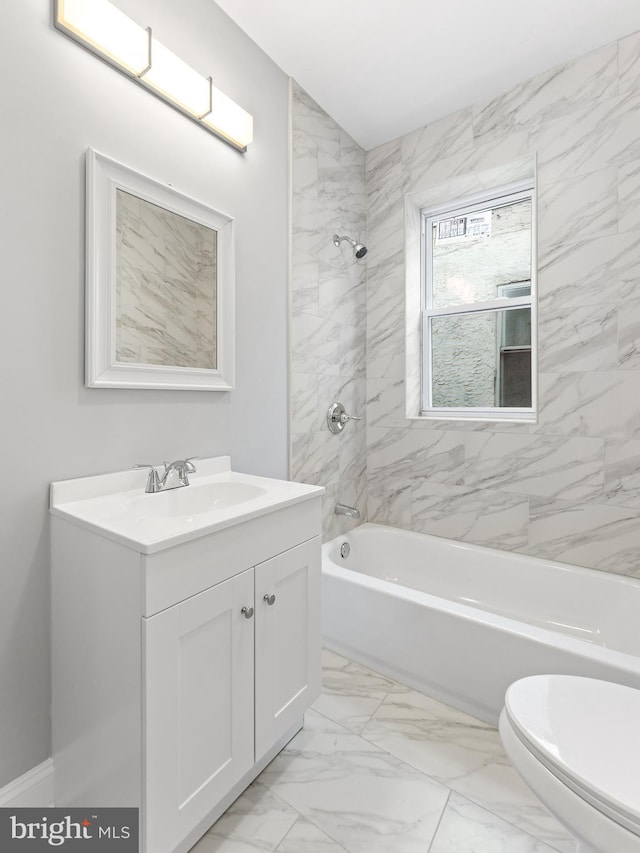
[461,622]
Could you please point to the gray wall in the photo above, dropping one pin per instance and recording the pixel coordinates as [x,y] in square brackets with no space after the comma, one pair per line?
[328,305]
[57,100]
[568,487]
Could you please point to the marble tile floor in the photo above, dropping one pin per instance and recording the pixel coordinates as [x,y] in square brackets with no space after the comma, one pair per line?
[381,768]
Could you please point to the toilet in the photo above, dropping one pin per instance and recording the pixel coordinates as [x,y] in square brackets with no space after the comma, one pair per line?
[576,743]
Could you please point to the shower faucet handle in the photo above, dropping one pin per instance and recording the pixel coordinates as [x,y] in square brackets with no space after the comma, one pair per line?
[337,418]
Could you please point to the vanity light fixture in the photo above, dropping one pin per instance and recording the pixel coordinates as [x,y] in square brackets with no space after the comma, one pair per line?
[229,120]
[176,81]
[106,31]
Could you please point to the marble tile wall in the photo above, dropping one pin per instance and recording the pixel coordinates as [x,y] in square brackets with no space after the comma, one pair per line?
[328,309]
[567,487]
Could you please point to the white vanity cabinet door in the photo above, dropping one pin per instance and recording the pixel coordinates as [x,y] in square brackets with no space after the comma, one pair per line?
[198,694]
[287,641]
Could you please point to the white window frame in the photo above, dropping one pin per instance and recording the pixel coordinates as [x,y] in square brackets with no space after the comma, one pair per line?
[497,197]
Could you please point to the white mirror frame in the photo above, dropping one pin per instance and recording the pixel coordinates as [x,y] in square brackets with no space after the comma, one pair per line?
[104,178]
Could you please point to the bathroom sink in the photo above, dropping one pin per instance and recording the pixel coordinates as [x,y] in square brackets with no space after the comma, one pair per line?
[196,499]
[117,505]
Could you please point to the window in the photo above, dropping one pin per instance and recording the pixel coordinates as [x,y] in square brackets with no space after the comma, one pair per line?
[478,307]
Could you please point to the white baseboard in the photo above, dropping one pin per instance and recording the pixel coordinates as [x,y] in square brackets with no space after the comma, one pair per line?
[33,789]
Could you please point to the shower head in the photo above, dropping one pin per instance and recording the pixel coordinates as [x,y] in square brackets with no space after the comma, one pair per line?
[358,249]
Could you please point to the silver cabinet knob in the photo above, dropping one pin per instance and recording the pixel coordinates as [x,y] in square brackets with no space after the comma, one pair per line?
[270,599]
[247,612]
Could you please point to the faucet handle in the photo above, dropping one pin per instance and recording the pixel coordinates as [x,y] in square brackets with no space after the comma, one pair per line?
[153,482]
[151,468]
[182,465]
[338,418]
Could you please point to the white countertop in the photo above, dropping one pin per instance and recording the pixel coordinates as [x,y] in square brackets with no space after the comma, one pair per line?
[116,505]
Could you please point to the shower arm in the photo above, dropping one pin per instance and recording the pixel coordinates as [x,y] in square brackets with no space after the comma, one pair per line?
[359,249]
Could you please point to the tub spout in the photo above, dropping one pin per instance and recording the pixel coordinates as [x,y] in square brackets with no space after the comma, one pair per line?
[349,511]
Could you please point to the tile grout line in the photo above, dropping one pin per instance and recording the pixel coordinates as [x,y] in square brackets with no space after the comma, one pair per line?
[451,790]
[469,797]
[299,813]
[373,713]
[288,832]
[437,829]
[320,829]
[548,842]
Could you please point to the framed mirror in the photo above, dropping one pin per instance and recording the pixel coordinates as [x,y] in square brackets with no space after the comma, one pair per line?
[160,285]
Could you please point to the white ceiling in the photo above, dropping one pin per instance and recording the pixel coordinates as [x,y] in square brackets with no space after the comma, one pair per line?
[382,68]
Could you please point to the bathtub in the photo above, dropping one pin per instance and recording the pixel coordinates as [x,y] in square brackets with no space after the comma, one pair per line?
[461,622]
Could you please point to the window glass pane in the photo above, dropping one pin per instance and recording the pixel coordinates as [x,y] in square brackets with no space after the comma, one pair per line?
[515,378]
[482,256]
[472,365]
[516,328]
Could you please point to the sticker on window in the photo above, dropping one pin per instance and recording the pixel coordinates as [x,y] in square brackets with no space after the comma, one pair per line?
[464,228]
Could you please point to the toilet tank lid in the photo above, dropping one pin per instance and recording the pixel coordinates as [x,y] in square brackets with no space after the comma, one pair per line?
[586,732]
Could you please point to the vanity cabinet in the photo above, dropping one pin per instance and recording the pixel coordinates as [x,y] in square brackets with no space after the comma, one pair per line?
[228,673]
[179,672]
[287,677]
[199,699]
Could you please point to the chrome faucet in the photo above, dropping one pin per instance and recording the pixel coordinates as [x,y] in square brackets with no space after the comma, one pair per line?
[174,477]
[349,511]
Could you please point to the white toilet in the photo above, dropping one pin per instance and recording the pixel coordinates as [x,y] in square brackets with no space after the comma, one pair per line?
[576,743]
